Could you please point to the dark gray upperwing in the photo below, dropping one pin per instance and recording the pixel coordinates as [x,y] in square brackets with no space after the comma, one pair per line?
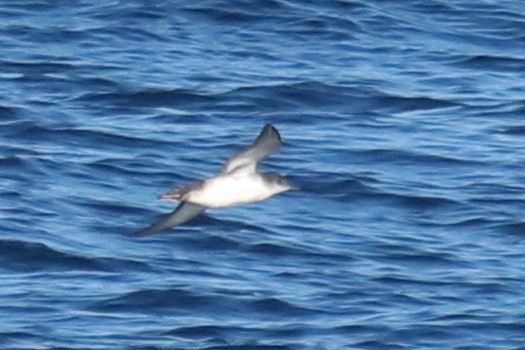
[183,213]
[265,144]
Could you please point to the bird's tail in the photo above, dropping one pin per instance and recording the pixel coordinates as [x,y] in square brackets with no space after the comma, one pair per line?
[173,194]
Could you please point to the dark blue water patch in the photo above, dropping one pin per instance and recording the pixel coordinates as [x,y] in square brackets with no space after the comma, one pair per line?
[422,335]
[489,190]
[461,317]
[131,168]
[516,204]
[235,334]
[280,251]
[515,229]
[131,13]
[293,331]
[20,219]
[147,98]
[423,202]
[512,112]
[357,329]
[274,250]
[198,332]
[378,345]
[403,157]
[11,195]
[394,103]
[398,280]
[354,191]
[337,187]
[318,95]
[30,257]
[267,98]
[223,15]
[505,329]
[25,256]
[480,222]
[8,338]
[22,164]
[110,207]
[277,307]
[326,28]
[126,33]
[162,301]
[178,300]
[495,63]
[249,346]
[77,137]
[513,328]
[500,287]
[182,119]
[27,209]
[423,259]
[33,310]
[98,83]
[34,6]
[8,113]
[405,299]
[432,6]
[47,35]
[52,81]
[238,12]
[37,67]
[144,12]
[14,163]
[518,130]
[78,71]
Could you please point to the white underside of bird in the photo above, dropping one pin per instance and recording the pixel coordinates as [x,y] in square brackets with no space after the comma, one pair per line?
[238,183]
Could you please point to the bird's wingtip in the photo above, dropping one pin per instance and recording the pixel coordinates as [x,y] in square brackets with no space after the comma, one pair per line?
[270,128]
[144,232]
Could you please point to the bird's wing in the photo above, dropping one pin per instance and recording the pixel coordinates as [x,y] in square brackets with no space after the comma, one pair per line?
[183,213]
[265,144]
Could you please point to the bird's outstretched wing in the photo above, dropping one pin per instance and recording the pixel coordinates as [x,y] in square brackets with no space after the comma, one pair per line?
[265,144]
[183,213]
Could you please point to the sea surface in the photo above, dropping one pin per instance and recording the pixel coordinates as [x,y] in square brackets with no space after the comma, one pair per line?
[403,123]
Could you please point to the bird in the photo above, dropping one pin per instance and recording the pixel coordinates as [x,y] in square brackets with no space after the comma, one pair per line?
[237,183]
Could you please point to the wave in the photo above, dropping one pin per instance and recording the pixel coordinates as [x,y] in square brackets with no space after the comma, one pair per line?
[30,257]
[8,113]
[494,63]
[148,98]
[411,158]
[186,301]
[514,228]
[74,136]
[518,130]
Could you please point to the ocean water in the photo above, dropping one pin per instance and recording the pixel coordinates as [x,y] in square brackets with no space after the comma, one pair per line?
[403,123]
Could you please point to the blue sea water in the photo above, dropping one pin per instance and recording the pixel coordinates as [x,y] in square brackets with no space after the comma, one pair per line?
[403,123]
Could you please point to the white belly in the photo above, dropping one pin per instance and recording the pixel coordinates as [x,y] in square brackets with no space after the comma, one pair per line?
[227,190]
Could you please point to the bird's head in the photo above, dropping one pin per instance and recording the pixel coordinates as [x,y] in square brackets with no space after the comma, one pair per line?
[278,182]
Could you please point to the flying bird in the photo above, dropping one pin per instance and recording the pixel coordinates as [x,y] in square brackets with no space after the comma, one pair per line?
[237,183]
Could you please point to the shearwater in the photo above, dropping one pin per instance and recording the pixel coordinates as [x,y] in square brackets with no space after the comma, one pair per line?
[237,183]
